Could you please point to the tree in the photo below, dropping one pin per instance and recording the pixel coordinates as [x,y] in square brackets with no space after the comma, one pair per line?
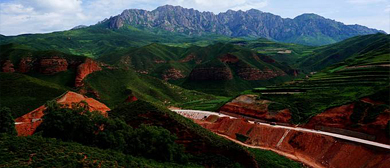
[7,123]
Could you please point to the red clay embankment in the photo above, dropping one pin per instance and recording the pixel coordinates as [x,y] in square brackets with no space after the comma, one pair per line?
[312,149]
[28,123]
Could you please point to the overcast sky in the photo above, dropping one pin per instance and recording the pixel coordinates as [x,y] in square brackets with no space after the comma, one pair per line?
[41,16]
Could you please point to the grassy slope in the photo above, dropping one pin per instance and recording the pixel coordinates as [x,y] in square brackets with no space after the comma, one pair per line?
[336,84]
[36,151]
[271,48]
[114,86]
[369,49]
[96,40]
[144,58]
[139,112]
[23,93]
[270,159]
[331,88]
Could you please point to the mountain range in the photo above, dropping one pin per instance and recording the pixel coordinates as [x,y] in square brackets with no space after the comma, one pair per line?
[308,29]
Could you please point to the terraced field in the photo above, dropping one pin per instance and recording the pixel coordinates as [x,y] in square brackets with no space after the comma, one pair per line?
[327,88]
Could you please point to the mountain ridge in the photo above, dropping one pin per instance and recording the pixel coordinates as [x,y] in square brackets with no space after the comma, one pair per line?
[309,29]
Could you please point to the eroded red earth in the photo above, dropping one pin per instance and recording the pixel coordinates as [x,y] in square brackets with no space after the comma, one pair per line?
[27,124]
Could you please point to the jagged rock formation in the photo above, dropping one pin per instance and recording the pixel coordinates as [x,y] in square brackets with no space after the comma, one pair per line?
[240,23]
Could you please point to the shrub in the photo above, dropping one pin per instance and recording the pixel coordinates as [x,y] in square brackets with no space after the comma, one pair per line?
[241,138]
[7,123]
[93,129]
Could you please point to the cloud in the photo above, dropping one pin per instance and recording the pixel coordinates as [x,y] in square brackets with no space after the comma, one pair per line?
[387,9]
[365,2]
[39,16]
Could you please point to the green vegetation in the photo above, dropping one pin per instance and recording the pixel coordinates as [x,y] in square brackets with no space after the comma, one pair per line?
[95,41]
[206,105]
[7,123]
[366,112]
[285,53]
[156,59]
[241,138]
[140,112]
[36,151]
[22,93]
[276,107]
[114,86]
[360,50]
[270,159]
[93,129]
[15,52]
[329,89]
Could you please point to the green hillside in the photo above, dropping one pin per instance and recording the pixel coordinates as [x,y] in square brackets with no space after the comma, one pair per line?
[286,53]
[22,93]
[360,50]
[96,40]
[36,151]
[114,86]
[157,60]
[334,86]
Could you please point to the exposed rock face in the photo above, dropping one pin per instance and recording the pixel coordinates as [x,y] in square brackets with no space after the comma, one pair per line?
[211,73]
[131,98]
[28,123]
[228,58]
[340,117]
[187,58]
[52,65]
[8,66]
[312,149]
[26,65]
[172,74]
[249,73]
[336,119]
[247,105]
[83,70]
[239,23]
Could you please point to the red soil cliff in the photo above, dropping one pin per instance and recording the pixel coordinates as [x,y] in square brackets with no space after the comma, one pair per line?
[340,117]
[7,66]
[27,124]
[26,65]
[172,74]
[247,105]
[83,70]
[312,149]
[336,119]
[52,65]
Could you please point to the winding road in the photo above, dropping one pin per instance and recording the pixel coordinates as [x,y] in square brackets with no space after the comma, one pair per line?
[197,114]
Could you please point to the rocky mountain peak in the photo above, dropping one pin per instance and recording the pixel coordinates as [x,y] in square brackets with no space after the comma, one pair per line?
[309,29]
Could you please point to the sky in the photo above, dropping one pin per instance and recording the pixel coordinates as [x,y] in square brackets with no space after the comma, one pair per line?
[42,16]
